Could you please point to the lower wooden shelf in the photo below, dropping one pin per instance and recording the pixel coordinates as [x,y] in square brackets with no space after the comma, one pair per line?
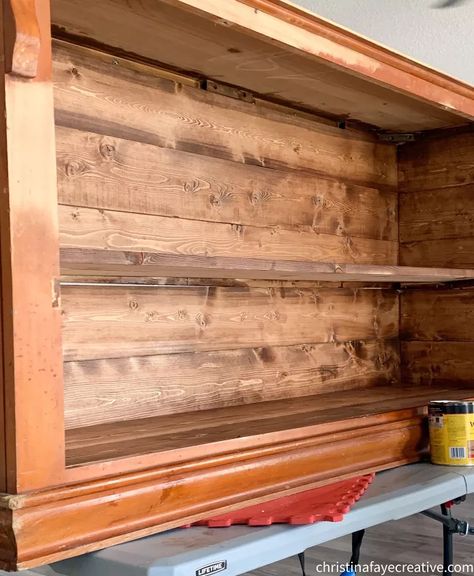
[195,465]
[178,431]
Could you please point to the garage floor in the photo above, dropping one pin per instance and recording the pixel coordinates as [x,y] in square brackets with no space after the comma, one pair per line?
[412,540]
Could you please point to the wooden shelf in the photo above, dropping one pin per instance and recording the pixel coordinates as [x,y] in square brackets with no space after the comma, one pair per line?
[162,433]
[77,261]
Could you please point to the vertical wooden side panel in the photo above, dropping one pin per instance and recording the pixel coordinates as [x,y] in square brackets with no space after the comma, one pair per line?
[30,266]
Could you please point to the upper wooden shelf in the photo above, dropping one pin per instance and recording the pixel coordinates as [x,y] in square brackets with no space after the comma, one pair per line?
[77,262]
[274,50]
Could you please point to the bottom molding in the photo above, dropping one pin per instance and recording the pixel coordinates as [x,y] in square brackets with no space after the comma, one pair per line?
[36,531]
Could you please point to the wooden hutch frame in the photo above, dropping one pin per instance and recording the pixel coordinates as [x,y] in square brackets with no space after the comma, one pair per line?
[50,510]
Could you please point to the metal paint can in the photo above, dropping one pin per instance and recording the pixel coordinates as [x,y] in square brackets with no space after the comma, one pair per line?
[451,425]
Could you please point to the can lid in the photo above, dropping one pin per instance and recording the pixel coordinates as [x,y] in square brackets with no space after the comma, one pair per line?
[453,406]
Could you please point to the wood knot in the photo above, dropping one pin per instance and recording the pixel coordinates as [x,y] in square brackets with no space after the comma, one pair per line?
[182,315]
[107,150]
[75,72]
[73,168]
[191,186]
[201,320]
[214,201]
[75,214]
[133,305]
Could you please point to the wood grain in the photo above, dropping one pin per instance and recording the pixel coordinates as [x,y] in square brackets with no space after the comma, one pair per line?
[117,321]
[112,173]
[276,52]
[100,391]
[111,230]
[443,162]
[115,266]
[122,439]
[450,253]
[447,213]
[438,363]
[117,101]
[437,314]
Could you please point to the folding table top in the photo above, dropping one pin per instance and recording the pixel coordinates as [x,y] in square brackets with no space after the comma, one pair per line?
[394,494]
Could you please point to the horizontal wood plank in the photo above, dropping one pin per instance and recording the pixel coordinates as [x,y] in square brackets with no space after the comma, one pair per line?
[438,163]
[112,230]
[112,173]
[450,253]
[437,314]
[437,214]
[149,267]
[438,363]
[119,321]
[116,100]
[100,391]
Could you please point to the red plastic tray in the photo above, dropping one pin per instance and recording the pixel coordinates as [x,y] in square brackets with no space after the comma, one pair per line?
[328,503]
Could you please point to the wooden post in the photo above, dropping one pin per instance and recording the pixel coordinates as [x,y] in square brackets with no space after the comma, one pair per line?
[32,379]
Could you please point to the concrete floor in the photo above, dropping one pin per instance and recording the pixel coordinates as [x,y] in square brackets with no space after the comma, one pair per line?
[415,540]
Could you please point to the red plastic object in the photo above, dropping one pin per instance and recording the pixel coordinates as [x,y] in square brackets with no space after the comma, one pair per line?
[328,503]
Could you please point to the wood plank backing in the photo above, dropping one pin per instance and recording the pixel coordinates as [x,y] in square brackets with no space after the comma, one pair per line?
[93,93]
[446,213]
[113,230]
[449,253]
[437,202]
[437,314]
[438,363]
[119,321]
[100,391]
[442,162]
[112,173]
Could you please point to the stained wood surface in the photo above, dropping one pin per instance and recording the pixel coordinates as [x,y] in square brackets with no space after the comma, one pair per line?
[126,506]
[274,51]
[100,391]
[437,163]
[438,363]
[28,222]
[109,173]
[94,94]
[437,314]
[140,321]
[113,230]
[446,213]
[109,264]
[437,201]
[123,439]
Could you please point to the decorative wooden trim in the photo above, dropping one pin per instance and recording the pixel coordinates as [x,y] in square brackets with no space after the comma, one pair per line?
[127,506]
[23,44]
[293,28]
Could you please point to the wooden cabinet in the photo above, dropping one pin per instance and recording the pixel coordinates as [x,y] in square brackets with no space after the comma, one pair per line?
[237,252]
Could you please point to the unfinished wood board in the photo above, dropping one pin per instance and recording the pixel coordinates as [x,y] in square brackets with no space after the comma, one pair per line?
[149,268]
[437,314]
[438,363]
[94,94]
[115,174]
[121,439]
[290,65]
[123,231]
[119,321]
[100,391]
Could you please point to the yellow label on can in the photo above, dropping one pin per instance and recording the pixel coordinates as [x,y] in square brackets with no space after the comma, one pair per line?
[452,439]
